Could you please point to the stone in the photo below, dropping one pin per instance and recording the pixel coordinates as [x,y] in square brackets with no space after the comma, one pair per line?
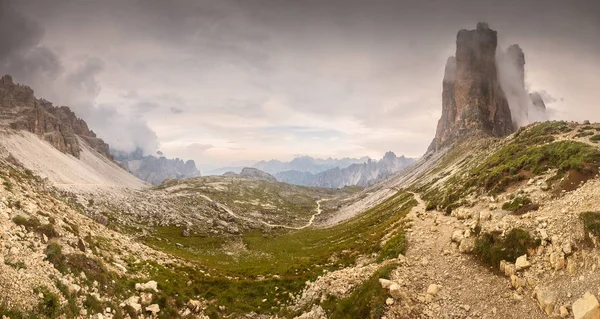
[134,303]
[81,245]
[150,285]
[396,291]
[457,236]
[522,263]
[586,307]
[567,248]
[153,308]
[433,289]
[194,305]
[546,300]
[563,311]
[467,245]
[389,301]
[146,298]
[385,283]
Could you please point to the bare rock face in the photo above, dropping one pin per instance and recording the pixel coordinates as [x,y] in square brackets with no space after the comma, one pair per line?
[472,99]
[58,125]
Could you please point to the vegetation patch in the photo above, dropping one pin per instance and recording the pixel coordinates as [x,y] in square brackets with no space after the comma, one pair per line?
[366,301]
[15,264]
[278,258]
[393,247]
[520,205]
[34,224]
[591,222]
[595,138]
[491,248]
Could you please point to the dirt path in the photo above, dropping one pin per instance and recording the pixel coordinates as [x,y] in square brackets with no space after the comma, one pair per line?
[234,215]
[468,289]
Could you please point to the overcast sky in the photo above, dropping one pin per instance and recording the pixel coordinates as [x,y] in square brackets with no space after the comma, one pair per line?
[226,81]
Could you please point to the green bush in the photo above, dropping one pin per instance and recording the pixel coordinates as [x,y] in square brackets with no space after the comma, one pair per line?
[595,138]
[16,265]
[55,256]
[93,304]
[49,306]
[491,248]
[591,222]
[516,203]
[30,223]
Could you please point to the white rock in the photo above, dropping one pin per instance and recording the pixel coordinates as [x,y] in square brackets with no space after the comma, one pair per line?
[385,283]
[153,308]
[146,298]
[150,285]
[134,303]
[433,289]
[396,291]
[522,263]
[586,307]
[389,301]
[546,300]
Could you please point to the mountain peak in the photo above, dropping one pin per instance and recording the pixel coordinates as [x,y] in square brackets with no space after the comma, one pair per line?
[472,98]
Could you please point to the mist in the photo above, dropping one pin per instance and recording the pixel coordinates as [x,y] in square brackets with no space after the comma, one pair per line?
[29,62]
[525,107]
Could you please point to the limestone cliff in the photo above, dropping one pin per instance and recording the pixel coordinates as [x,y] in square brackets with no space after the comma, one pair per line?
[472,99]
[154,169]
[20,110]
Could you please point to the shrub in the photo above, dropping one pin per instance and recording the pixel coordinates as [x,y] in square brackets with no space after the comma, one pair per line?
[516,203]
[29,223]
[55,256]
[7,185]
[92,303]
[595,138]
[49,306]
[591,222]
[491,248]
[16,265]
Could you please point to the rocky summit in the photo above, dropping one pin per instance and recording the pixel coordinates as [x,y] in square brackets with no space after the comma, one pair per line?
[21,110]
[472,99]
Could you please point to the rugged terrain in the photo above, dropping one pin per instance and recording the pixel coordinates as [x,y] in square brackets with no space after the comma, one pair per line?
[499,222]
[155,170]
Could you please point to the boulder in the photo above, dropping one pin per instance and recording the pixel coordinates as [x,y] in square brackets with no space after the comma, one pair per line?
[457,236]
[433,289]
[150,285]
[153,308]
[586,307]
[522,263]
[546,300]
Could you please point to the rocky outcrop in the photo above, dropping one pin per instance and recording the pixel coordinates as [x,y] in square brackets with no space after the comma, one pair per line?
[153,169]
[472,99]
[254,173]
[363,174]
[20,110]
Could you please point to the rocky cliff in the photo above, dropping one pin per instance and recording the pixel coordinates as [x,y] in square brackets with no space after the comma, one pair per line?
[19,109]
[363,174]
[155,170]
[472,98]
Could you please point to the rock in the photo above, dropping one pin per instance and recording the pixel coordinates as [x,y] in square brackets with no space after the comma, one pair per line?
[517,282]
[316,312]
[194,305]
[146,298]
[150,285]
[81,245]
[433,289]
[457,236]
[472,98]
[396,291]
[134,303]
[44,238]
[522,263]
[389,301]
[153,308]
[485,215]
[546,300]
[467,245]
[563,312]
[586,307]
[567,248]
[385,283]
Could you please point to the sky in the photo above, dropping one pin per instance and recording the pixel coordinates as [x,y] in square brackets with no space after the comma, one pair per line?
[230,81]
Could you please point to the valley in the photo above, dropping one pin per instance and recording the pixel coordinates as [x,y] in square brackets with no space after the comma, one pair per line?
[495,220]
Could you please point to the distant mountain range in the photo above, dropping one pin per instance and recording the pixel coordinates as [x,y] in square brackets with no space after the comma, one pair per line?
[302,164]
[154,169]
[363,174]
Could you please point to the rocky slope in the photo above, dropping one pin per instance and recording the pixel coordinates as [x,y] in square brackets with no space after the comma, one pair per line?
[363,174]
[155,170]
[307,164]
[19,109]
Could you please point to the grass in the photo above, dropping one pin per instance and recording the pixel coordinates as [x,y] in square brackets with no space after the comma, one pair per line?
[283,259]
[595,138]
[491,248]
[393,247]
[15,264]
[366,301]
[34,224]
[532,152]
[591,222]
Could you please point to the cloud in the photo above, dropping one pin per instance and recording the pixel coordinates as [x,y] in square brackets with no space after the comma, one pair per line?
[30,62]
